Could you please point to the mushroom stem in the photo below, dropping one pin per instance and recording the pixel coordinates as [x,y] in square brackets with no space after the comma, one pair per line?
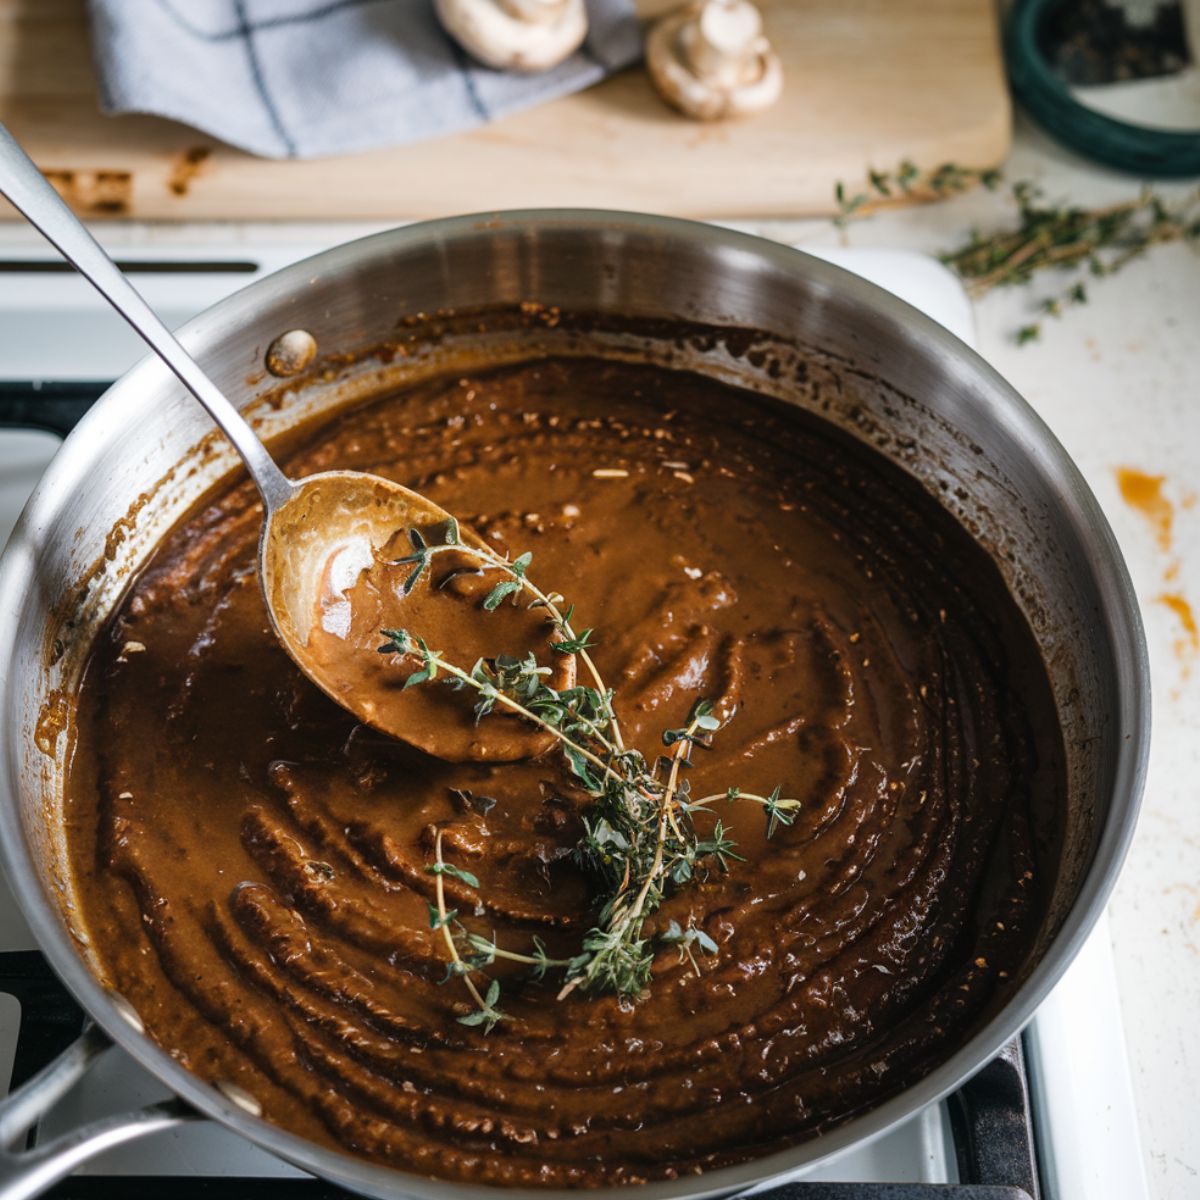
[723,42]
[711,60]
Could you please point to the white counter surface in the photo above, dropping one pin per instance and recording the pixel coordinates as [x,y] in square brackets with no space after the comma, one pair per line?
[1118,380]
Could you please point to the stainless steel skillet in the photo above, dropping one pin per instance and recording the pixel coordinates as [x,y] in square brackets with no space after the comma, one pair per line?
[761,315]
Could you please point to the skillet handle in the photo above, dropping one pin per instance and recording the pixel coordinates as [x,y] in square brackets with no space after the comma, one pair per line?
[27,1173]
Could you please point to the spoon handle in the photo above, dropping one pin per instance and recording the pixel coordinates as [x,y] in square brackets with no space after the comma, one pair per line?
[28,192]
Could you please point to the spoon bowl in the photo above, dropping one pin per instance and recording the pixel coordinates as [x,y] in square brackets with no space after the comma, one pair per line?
[332,573]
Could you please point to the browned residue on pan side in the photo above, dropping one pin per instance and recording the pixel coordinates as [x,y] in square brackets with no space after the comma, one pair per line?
[53,718]
[67,616]
[186,168]
[126,524]
[94,193]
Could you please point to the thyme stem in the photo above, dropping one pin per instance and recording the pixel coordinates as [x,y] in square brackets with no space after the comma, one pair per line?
[444,664]
[668,800]
[444,924]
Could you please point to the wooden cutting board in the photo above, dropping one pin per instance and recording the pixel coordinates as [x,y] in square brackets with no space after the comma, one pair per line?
[869,82]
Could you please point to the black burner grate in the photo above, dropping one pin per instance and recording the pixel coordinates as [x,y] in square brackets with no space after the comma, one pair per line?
[53,405]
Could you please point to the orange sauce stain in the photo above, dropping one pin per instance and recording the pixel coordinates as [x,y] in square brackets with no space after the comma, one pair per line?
[1187,618]
[1145,493]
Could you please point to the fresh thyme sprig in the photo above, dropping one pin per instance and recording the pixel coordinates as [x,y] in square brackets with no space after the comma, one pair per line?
[486,1013]
[909,182]
[639,841]
[480,953]
[1099,241]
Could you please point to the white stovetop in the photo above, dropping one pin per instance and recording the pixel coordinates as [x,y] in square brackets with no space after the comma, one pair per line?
[1119,382]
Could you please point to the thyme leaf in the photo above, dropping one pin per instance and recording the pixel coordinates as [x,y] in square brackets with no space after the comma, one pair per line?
[445,868]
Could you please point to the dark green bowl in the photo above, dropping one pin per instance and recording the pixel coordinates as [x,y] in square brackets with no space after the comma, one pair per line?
[1139,149]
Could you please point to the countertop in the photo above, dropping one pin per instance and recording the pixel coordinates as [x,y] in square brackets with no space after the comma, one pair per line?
[1118,380]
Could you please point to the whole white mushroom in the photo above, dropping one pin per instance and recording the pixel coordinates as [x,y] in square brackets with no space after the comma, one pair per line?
[516,35]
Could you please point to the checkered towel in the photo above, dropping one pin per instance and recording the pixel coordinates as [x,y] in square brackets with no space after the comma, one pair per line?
[305,78]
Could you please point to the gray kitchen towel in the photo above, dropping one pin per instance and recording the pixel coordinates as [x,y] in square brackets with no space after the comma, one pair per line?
[306,78]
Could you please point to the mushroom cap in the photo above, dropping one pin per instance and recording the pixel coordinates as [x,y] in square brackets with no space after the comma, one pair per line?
[516,35]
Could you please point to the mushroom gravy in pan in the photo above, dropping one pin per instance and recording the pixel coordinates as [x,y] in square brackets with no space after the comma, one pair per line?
[252,863]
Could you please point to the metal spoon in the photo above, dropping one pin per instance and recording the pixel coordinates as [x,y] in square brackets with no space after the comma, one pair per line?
[308,524]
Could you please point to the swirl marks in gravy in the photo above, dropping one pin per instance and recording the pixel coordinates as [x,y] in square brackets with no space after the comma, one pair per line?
[252,862]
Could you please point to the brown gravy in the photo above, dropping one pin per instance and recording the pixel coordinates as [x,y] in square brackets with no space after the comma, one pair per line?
[251,862]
